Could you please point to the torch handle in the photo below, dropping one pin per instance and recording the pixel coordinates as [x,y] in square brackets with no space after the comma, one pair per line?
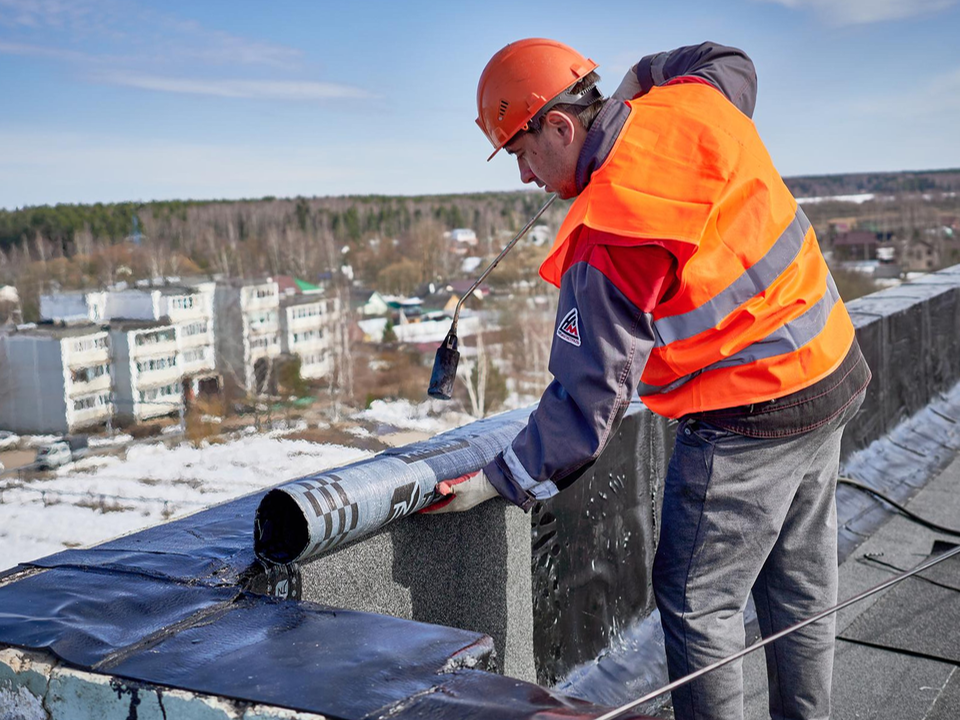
[523,231]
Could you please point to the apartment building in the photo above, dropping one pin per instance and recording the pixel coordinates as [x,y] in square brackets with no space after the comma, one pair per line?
[190,310]
[247,314]
[308,326]
[147,371]
[188,307]
[55,379]
[74,307]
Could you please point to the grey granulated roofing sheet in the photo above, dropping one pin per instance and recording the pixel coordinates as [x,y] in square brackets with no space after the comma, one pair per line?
[916,616]
[880,684]
[947,706]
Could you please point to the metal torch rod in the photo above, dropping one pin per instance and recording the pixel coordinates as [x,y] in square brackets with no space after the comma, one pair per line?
[468,293]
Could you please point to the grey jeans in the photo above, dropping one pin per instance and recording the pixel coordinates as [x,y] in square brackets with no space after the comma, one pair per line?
[744,515]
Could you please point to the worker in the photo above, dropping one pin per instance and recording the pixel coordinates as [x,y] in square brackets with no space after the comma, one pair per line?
[687,274]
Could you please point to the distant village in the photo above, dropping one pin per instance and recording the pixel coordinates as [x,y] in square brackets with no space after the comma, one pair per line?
[887,244]
[131,352]
[127,354]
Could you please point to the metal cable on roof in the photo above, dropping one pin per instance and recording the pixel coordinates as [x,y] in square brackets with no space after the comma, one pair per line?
[819,616]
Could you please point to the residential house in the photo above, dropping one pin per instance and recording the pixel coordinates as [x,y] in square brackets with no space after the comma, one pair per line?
[856,245]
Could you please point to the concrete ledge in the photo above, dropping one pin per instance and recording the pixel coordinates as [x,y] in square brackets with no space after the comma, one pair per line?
[34,686]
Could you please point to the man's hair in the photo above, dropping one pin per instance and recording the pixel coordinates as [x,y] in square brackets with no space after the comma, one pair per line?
[585,114]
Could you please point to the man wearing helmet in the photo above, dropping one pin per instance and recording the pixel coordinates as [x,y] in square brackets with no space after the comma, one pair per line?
[687,273]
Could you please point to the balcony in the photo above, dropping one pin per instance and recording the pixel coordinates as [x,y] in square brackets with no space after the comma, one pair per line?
[98,413]
[78,387]
[87,357]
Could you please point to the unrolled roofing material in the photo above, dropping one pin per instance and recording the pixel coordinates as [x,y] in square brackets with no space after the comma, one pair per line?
[314,514]
[919,616]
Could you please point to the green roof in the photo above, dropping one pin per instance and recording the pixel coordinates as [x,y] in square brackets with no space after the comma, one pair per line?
[304,285]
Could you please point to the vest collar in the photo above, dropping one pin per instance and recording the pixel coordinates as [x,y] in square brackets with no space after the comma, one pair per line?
[600,140]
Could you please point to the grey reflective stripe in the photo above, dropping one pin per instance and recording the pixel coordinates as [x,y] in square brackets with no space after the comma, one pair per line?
[644,389]
[540,490]
[753,281]
[792,336]
[786,339]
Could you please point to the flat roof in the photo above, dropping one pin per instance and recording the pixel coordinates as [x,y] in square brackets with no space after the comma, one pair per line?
[52,330]
[126,325]
[290,300]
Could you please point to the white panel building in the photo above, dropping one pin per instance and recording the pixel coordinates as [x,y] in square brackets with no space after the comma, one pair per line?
[190,309]
[307,329]
[147,371]
[248,331]
[79,306]
[55,379]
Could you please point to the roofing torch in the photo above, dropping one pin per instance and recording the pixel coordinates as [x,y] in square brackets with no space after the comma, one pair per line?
[448,357]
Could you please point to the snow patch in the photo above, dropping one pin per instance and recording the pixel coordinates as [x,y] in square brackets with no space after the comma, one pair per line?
[118,439]
[431,416]
[98,498]
[859,198]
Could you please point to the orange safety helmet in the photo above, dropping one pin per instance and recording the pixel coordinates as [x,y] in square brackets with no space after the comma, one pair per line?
[527,77]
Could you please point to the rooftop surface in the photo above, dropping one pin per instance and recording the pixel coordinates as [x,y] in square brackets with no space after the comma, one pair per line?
[60,331]
[311,299]
[125,325]
[898,652]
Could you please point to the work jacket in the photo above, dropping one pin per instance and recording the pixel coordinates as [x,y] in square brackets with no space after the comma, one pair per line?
[751,316]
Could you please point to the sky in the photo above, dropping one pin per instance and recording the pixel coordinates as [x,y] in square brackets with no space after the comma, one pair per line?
[110,100]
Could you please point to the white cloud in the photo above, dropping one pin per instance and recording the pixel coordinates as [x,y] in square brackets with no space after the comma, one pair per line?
[227,88]
[860,12]
[145,29]
[44,13]
[43,51]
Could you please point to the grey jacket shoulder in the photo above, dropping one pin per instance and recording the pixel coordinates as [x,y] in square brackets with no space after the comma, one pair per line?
[726,68]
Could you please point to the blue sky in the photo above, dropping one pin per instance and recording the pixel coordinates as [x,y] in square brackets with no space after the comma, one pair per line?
[106,100]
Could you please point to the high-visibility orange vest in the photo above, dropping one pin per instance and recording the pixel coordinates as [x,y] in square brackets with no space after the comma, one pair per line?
[756,315]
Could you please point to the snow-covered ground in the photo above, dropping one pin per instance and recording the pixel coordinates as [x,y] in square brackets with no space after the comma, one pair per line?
[432,416]
[101,497]
[858,198]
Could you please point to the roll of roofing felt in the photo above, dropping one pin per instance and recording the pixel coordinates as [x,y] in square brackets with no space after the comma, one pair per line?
[314,514]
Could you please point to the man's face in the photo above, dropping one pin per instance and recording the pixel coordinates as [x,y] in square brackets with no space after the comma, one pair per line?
[547,158]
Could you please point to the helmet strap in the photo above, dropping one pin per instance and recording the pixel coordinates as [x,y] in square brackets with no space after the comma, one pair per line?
[583,99]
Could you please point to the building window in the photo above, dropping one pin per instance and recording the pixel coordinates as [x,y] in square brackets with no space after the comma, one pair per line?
[157,336]
[89,373]
[90,344]
[91,401]
[160,393]
[195,355]
[195,328]
[161,363]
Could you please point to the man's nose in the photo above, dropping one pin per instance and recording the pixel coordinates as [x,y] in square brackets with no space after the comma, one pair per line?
[526,174]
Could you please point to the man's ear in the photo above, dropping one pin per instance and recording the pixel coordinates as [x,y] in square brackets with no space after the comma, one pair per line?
[562,125]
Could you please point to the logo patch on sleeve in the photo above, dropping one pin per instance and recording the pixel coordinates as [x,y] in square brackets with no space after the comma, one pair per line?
[569,328]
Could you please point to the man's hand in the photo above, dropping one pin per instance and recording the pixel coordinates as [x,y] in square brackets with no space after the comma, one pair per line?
[629,87]
[462,493]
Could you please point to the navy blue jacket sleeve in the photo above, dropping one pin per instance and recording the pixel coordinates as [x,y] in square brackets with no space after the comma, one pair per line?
[600,346]
[726,68]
